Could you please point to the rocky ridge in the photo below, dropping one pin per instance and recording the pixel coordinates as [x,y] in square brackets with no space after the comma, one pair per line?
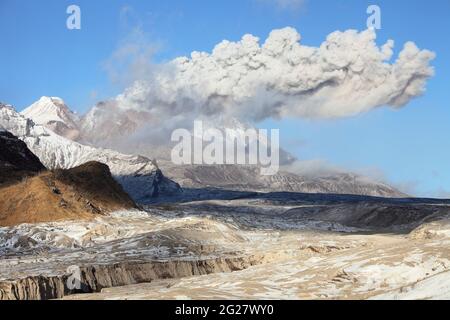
[138,175]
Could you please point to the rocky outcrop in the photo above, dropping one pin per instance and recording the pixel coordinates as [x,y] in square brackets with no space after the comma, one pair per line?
[139,176]
[16,160]
[78,193]
[95,278]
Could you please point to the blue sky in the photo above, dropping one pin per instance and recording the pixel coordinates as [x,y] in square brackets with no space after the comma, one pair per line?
[40,56]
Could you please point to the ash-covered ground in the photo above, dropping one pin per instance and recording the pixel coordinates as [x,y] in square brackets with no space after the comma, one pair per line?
[238,245]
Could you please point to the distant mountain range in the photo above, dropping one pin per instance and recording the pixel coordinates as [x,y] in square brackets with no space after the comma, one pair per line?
[54,131]
[138,175]
[248,178]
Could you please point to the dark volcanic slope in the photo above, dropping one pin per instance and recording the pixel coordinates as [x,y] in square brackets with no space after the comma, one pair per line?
[79,193]
[16,160]
[94,181]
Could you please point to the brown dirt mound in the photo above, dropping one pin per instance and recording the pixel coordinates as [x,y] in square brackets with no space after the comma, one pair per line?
[79,193]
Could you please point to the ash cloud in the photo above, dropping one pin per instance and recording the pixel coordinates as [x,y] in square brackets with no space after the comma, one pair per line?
[250,81]
[281,78]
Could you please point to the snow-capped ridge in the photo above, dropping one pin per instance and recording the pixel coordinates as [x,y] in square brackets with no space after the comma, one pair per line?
[139,176]
[53,113]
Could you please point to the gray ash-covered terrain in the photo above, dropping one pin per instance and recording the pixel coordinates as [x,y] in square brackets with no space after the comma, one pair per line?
[234,245]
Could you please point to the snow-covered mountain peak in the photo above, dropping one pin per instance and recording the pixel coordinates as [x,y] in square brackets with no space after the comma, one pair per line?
[12,121]
[54,114]
[48,109]
[139,176]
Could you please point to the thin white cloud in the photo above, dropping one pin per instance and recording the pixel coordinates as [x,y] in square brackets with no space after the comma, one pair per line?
[313,167]
[284,4]
[132,58]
